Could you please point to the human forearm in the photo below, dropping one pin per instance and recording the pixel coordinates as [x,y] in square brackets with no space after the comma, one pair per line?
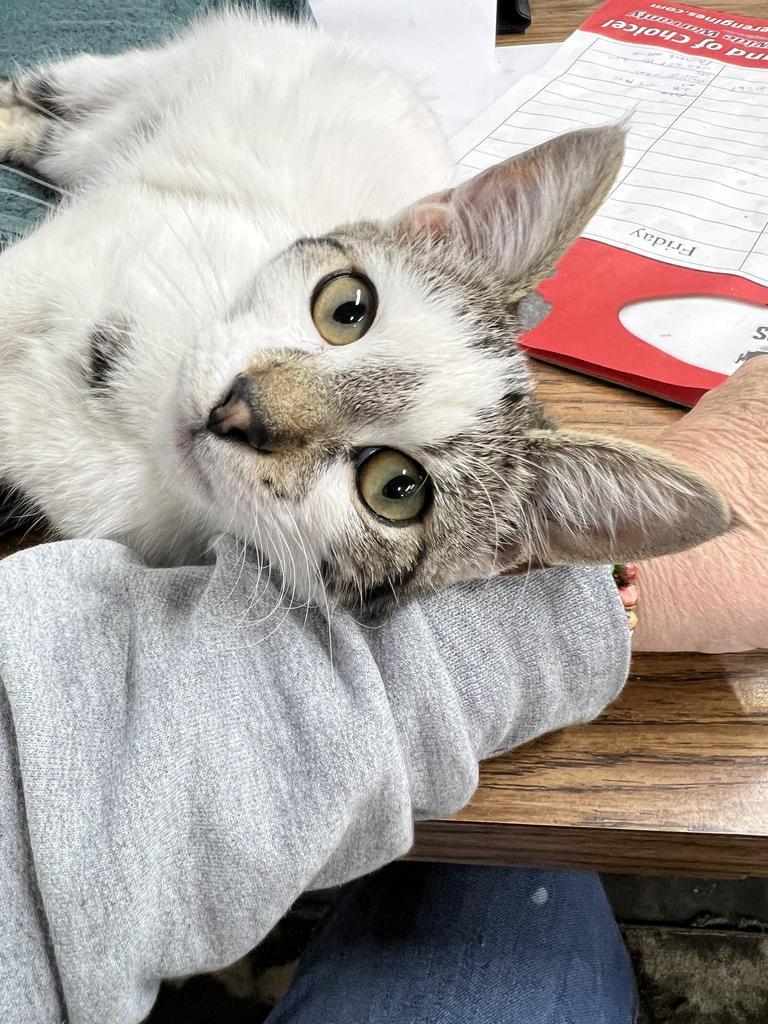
[190,763]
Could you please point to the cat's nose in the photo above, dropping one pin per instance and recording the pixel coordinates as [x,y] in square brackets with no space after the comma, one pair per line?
[237,418]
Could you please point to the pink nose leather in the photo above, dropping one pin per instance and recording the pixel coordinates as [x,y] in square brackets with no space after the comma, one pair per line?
[233,415]
[237,418]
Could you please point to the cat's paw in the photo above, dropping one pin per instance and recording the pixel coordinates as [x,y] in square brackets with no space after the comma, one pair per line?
[22,131]
[6,92]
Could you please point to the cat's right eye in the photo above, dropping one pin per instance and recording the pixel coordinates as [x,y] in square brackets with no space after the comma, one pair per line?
[343,307]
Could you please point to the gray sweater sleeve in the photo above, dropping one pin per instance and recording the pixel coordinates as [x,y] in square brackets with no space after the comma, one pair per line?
[182,755]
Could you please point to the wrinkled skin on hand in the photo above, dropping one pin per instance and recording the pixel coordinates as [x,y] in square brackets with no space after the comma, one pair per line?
[713,598]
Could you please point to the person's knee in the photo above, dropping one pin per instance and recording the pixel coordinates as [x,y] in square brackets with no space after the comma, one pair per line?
[423,944]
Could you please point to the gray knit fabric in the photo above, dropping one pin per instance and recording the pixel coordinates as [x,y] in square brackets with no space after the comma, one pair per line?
[180,759]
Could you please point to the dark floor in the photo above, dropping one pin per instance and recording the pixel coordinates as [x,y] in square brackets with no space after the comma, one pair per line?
[687,976]
[700,950]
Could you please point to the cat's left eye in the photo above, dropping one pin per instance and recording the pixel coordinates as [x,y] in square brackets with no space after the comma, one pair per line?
[343,307]
[392,485]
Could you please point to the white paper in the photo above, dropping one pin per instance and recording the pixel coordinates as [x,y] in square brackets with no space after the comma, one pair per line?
[515,62]
[446,46]
[693,189]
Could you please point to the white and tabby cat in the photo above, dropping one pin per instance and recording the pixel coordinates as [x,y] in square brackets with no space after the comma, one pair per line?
[244,318]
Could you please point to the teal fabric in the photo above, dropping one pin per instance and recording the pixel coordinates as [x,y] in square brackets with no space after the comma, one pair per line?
[35,30]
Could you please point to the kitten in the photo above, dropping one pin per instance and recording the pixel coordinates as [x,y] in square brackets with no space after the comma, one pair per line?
[244,318]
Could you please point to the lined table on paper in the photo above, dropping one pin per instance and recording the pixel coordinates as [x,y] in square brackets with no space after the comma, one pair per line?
[693,189]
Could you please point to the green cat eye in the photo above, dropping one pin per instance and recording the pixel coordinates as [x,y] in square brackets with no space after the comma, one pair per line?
[393,486]
[343,307]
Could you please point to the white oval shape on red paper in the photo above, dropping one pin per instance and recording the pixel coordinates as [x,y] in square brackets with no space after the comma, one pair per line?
[709,331]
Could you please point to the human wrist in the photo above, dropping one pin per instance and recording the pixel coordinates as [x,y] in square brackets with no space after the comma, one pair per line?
[697,600]
[663,619]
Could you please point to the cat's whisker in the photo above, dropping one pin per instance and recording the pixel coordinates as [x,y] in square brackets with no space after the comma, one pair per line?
[242,562]
[361,593]
[310,557]
[523,522]
[486,466]
[327,603]
[263,560]
[4,190]
[263,584]
[283,588]
[51,115]
[281,621]
[67,193]
[72,194]
[192,261]
[176,287]
[37,181]
[289,601]
[309,570]
[288,564]
[55,207]
[255,597]
[205,251]
[227,530]
[143,247]
[492,507]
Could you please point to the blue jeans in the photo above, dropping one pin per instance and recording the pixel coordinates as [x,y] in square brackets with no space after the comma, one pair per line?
[438,944]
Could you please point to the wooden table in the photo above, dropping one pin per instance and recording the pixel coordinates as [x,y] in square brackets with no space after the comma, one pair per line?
[673,777]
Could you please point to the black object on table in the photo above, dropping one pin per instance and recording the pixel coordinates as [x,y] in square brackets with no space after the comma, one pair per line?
[512,16]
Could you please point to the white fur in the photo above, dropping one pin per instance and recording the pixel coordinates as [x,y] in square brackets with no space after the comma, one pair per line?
[268,132]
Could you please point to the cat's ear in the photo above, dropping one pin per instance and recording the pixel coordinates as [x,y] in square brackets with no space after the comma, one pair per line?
[524,213]
[601,500]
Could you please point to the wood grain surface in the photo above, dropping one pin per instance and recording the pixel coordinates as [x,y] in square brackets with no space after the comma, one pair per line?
[673,777]
[553,20]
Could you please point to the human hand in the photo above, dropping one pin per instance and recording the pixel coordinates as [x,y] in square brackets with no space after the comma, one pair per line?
[712,598]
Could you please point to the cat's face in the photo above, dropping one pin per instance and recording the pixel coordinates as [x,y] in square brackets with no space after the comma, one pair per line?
[364,417]
[368,448]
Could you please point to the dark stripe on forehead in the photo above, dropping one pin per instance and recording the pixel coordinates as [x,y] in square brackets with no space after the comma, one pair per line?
[323,240]
[322,245]
[107,342]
